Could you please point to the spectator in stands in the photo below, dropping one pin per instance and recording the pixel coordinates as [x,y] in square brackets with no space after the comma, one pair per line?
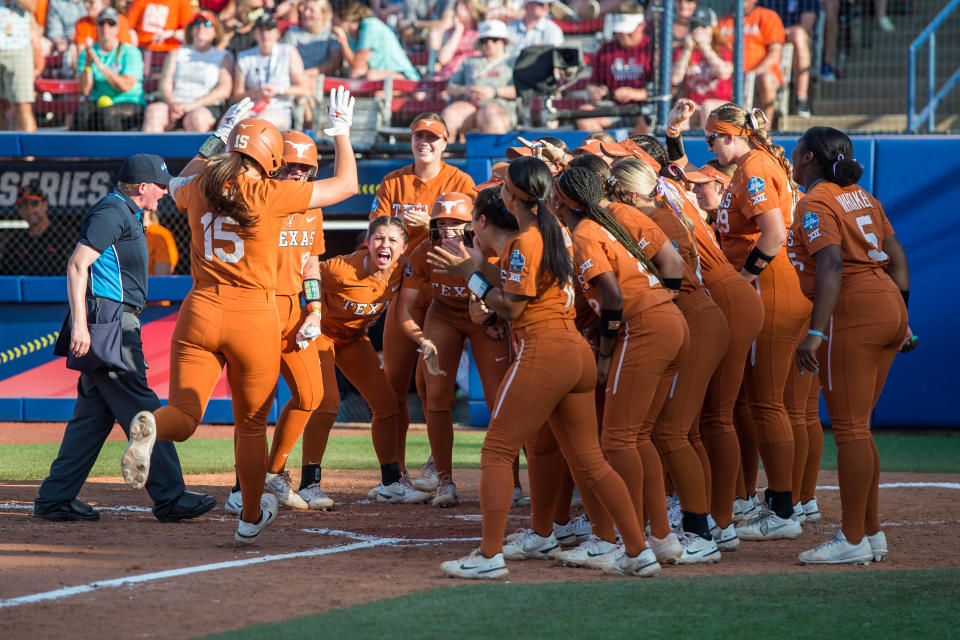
[703,66]
[45,246]
[85,30]
[620,73]
[370,48]
[162,252]
[430,17]
[483,87]
[271,73]
[111,76]
[883,20]
[196,80]
[534,28]
[763,38]
[161,24]
[593,9]
[17,64]
[240,30]
[460,41]
[831,15]
[62,17]
[225,10]
[314,40]
[799,18]
[683,10]
[506,10]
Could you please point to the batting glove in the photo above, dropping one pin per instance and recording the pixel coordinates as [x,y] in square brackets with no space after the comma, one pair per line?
[340,112]
[307,335]
[234,114]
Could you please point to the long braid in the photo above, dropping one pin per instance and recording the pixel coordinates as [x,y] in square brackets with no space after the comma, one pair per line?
[584,187]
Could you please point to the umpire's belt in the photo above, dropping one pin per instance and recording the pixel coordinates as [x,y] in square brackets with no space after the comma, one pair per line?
[128,308]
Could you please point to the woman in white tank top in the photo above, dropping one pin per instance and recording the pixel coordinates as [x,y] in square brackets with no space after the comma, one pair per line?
[196,80]
[271,73]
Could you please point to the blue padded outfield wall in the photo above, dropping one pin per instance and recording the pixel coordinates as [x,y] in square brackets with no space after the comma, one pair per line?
[917,178]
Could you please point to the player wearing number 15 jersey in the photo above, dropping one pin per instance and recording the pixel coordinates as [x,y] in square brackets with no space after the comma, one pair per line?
[854,268]
[235,209]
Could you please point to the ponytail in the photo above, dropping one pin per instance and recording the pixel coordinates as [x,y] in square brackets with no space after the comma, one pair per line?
[833,152]
[219,188]
[532,177]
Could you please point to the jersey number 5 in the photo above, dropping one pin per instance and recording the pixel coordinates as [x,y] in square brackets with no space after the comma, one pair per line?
[215,231]
[874,253]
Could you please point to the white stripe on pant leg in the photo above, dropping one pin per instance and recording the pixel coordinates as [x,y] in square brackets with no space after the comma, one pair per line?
[673,385]
[829,351]
[503,394]
[623,352]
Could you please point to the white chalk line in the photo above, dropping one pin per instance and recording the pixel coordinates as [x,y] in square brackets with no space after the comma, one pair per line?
[362,541]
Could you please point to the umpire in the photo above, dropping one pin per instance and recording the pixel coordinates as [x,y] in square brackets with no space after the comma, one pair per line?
[106,287]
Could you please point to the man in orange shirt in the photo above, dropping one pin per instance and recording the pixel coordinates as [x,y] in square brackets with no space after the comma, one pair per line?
[160,24]
[763,37]
[161,247]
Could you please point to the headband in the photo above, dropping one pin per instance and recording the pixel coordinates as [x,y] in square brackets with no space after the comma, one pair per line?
[725,128]
[520,194]
[640,154]
[567,200]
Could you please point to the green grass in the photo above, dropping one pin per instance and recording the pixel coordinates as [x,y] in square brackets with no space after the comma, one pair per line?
[860,603]
[939,453]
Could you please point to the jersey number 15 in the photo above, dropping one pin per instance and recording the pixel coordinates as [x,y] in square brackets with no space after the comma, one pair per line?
[215,231]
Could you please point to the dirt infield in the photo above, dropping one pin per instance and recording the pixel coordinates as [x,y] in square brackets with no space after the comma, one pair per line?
[369,551]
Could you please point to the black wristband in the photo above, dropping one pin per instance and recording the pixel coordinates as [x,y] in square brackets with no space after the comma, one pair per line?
[610,322]
[675,148]
[757,262]
[906,298]
[673,284]
[311,289]
[491,320]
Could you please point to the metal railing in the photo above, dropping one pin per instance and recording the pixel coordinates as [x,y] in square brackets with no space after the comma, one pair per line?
[915,120]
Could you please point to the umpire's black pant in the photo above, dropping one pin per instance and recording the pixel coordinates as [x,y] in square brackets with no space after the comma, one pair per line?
[102,399]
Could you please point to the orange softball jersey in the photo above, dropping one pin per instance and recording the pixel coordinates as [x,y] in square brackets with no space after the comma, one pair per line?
[682,241]
[833,215]
[447,290]
[301,236]
[401,190]
[758,186]
[596,252]
[352,298]
[218,251]
[520,274]
[645,231]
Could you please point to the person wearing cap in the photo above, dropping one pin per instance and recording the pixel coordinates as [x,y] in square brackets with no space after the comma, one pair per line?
[85,30]
[271,73]
[196,80]
[106,278]
[534,28]
[111,77]
[709,183]
[43,248]
[161,24]
[485,98]
[703,65]
[620,73]
[408,193]
[371,49]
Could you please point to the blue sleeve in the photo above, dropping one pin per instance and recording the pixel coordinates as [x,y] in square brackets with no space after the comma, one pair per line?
[81,59]
[367,36]
[131,63]
[102,227]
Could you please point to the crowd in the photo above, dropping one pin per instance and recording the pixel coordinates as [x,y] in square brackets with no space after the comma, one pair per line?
[274,50]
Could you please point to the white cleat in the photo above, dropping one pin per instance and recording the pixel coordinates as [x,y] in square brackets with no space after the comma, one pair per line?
[767,525]
[428,479]
[573,532]
[798,513]
[516,535]
[316,498]
[402,492]
[135,463]
[643,565]
[811,510]
[697,550]
[595,553]
[531,545]
[666,549]
[248,532]
[743,510]
[520,500]
[234,504]
[837,550]
[373,493]
[878,544]
[476,566]
[279,485]
[726,538]
[446,495]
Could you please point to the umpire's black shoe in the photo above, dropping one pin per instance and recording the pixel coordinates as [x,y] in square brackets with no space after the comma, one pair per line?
[73,511]
[189,505]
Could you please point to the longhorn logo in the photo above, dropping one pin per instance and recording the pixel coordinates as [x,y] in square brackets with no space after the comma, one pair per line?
[448,205]
[301,147]
[244,126]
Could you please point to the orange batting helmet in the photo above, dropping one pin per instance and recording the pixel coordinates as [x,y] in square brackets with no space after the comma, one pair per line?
[455,207]
[259,140]
[299,148]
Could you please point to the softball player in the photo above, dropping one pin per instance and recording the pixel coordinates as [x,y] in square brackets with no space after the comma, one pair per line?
[553,376]
[408,194]
[231,309]
[755,212]
[448,323]
[854,269]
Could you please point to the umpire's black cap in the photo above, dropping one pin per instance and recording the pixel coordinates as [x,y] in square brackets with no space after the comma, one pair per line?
[144,167]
